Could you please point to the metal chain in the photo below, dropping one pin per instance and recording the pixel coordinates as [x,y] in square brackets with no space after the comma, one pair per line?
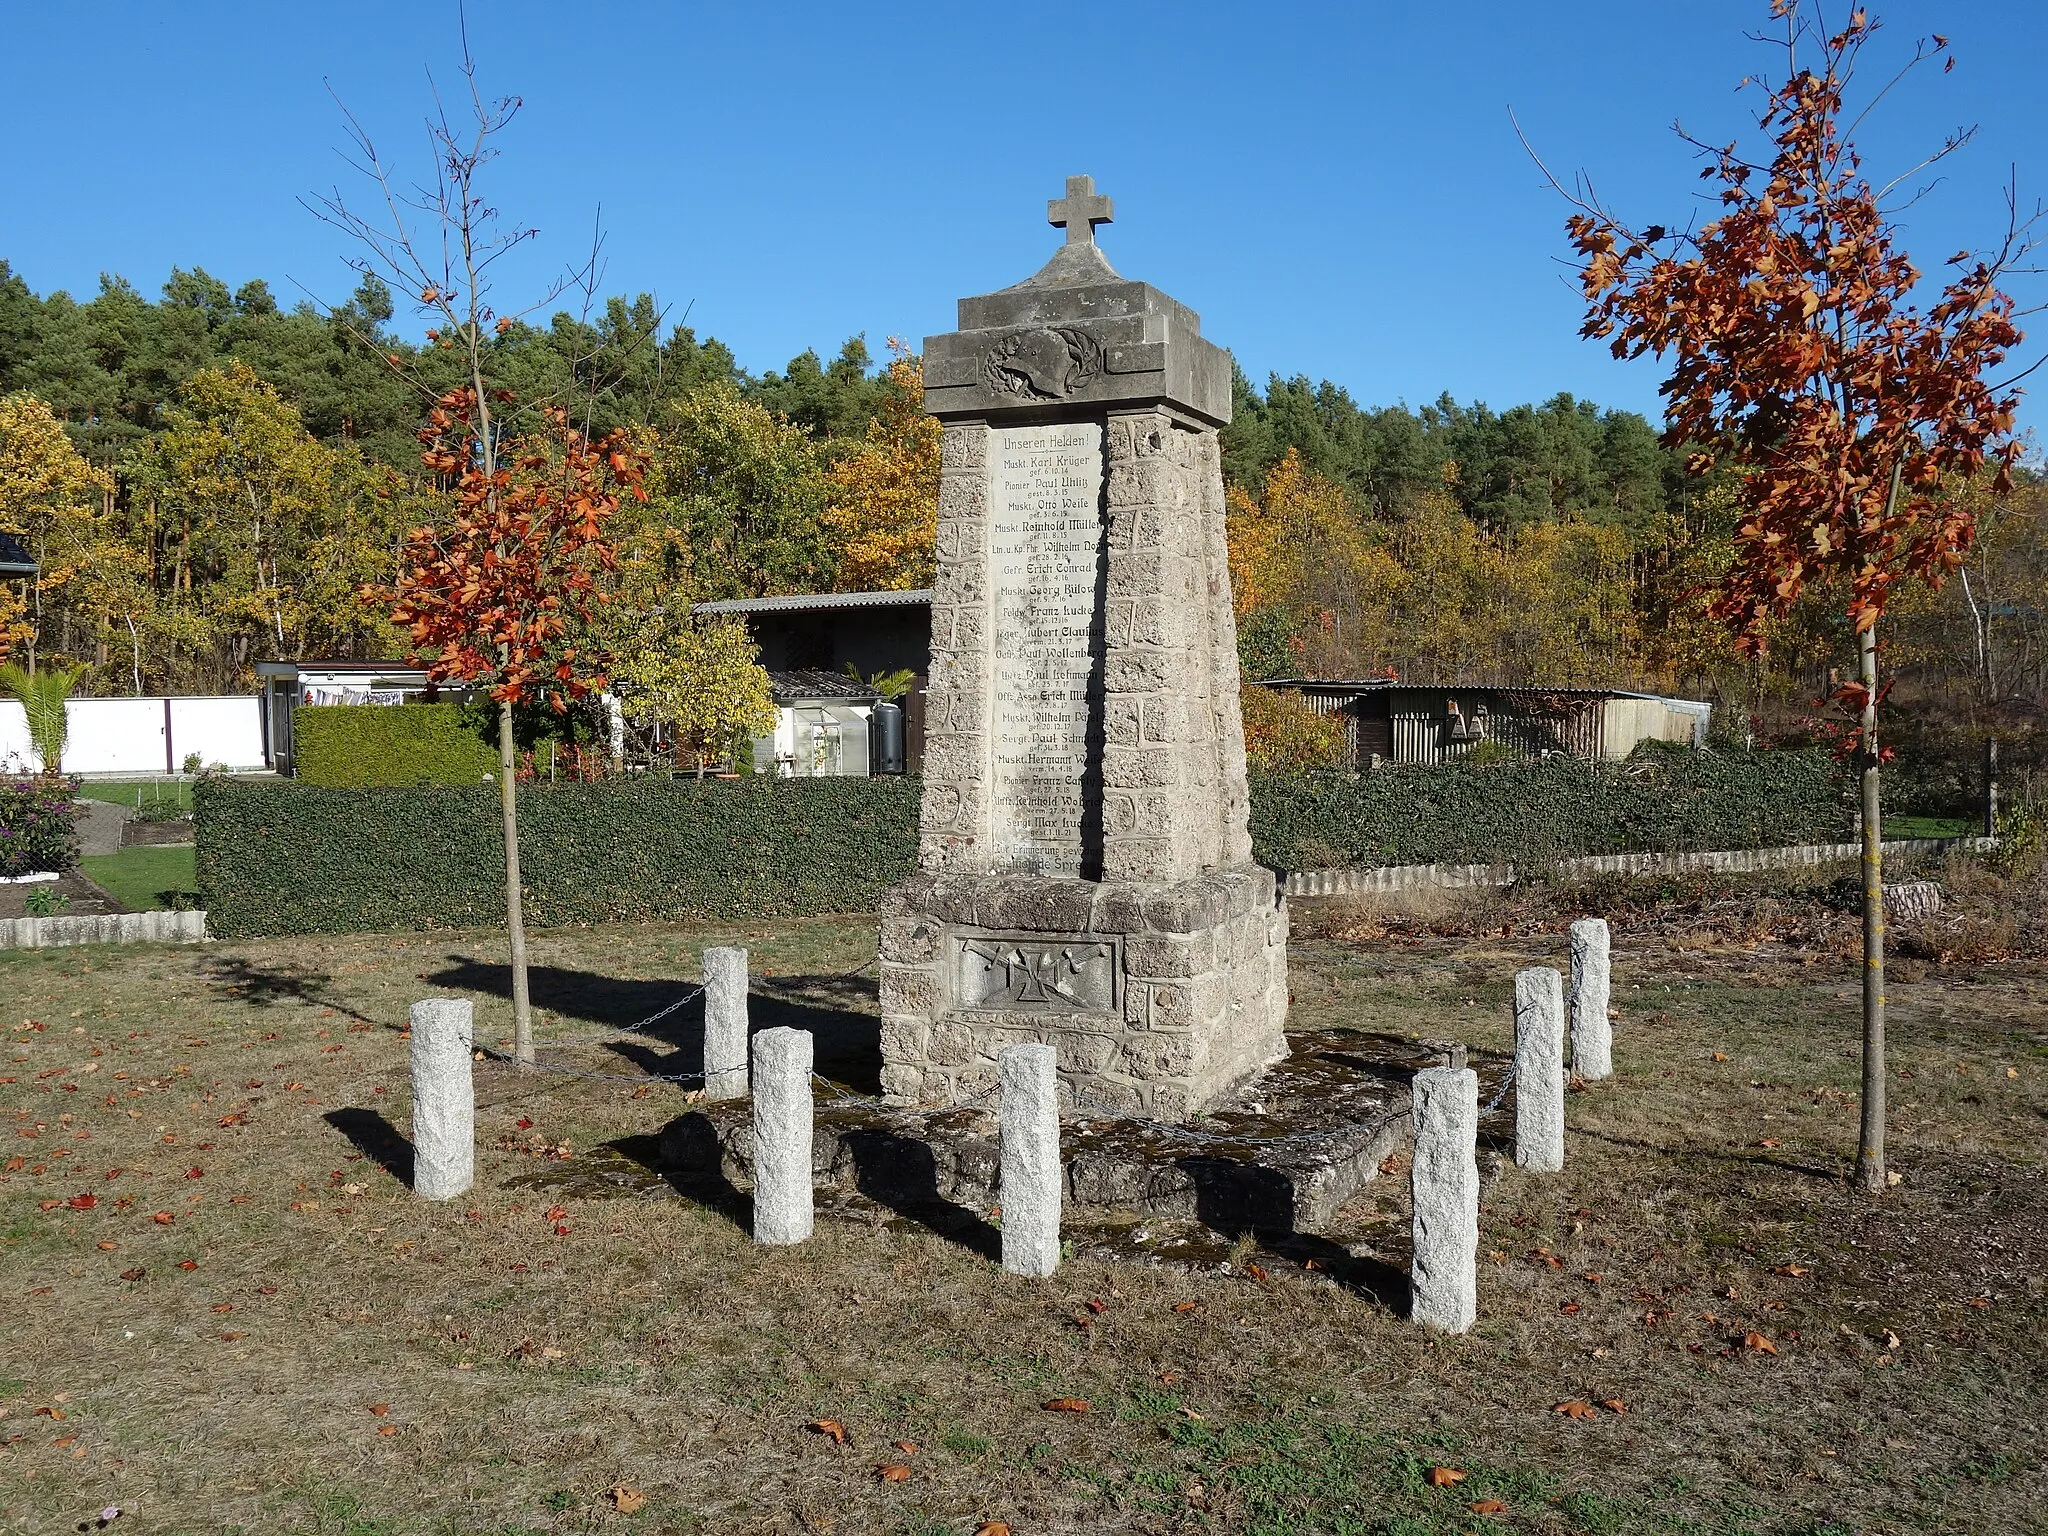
[637,1027]
[1499,1093]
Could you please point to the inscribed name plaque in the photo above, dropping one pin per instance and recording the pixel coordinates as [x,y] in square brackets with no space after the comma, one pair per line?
[1045,550]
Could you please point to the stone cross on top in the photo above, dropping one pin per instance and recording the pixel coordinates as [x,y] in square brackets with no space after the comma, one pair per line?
[1079,211]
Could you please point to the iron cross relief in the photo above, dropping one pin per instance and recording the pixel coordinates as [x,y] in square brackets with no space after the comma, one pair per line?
[1043,975]
[1079,211]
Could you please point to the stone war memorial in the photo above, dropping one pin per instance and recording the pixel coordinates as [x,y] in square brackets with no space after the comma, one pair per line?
[1085,878]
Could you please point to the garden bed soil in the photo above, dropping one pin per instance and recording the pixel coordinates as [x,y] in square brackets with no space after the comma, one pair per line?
[84,898]
[177,833]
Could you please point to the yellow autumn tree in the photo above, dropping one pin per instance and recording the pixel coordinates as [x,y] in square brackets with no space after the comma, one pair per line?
[694,685]
[699,681]
[883,506]
[1310,579]
[55,504]
[282,528]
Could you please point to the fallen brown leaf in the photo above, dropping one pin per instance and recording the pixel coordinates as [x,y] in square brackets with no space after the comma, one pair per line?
[1185,1306]
[387,1429]
[380,1409]
[1757,1341]
[907,1447]
[1574,1409]
[626,1499]
[831,1429]
[892,1472]
[1614,1405]
[1489,1507]
[1444,1477]
[992,1528]
[1792,1270]
[1067,1405]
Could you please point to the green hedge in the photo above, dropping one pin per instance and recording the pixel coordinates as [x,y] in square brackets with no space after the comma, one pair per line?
[280,857]
[1662,799]
[352,745]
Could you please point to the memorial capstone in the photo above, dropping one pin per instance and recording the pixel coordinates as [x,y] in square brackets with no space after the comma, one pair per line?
[1085,877]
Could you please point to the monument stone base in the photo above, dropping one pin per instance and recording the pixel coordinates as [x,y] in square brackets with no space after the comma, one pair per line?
[1160,999]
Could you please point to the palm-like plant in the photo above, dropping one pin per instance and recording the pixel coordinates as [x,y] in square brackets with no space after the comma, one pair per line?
[42,696]
[890,685]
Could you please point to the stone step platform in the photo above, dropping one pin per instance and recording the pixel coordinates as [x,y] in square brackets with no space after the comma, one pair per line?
[1282,1156]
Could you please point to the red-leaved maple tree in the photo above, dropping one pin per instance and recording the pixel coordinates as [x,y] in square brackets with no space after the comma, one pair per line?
[1850,415]
[501,597]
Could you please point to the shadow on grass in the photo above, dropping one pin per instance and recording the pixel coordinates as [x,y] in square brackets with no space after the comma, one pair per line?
[684,1156]
[1835,1174]
[373,1135]
[265,986]
[901,1173]
[846,1039]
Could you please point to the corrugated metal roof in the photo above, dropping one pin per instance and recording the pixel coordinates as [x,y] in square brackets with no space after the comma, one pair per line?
[316,664]
[810,683]
[817,601]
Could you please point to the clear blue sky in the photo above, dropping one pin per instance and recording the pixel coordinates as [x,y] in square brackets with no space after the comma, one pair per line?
[1336,188]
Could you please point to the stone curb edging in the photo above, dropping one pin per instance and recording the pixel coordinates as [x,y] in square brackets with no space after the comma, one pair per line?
[1412,877]
[114,928]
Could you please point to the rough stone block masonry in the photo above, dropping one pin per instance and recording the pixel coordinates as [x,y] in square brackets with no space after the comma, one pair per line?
[1085,877]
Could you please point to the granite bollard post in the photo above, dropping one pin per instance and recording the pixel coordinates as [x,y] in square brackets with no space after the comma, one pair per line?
[1444,1288]
[782,1135]
[725,1023]
[1592,1034]
[1031,1159]
[1539,1069]
[443,1098]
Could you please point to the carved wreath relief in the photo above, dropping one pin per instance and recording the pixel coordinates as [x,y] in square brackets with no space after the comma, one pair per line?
[1047,363]
[1038,975]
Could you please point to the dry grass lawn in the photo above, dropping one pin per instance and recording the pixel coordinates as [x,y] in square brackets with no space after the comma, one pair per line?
[227,1312]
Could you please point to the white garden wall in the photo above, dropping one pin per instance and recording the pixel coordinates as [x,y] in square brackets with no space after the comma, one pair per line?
[143,735]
